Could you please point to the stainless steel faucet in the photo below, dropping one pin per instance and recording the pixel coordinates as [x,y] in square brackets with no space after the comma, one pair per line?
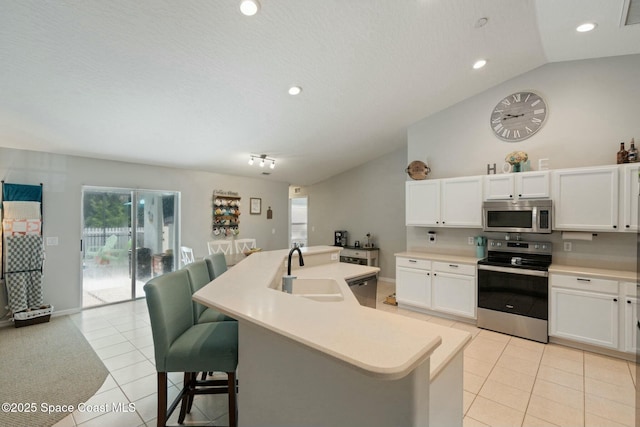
[287,281]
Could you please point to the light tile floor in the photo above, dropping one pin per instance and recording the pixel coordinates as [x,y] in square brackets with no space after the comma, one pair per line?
[508,381]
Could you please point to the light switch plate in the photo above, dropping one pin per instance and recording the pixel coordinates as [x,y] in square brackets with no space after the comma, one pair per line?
[567,247]
[52,241]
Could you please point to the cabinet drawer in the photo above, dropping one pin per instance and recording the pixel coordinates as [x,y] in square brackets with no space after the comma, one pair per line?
[584,283]
[413,263]
[454,267]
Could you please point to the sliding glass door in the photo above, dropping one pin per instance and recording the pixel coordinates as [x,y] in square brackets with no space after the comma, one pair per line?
[116,261]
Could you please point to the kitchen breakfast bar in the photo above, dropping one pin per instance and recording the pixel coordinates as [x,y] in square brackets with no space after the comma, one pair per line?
[315,357]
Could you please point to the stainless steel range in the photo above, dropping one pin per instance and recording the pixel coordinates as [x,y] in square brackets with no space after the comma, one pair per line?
[513,291]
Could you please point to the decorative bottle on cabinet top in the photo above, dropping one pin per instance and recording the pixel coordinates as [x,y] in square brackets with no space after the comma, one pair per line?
[632,155]
[622,154]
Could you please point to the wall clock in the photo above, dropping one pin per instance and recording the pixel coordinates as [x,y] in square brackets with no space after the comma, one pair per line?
[518,116]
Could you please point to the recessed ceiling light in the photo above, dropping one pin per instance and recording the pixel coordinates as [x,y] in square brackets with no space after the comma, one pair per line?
[479,64]
[586,27]
[295,90]
[249,7]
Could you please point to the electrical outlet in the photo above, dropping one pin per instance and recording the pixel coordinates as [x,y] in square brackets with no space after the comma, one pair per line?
[567,246]
[432,237]
[334,256]
[52,241]
[470,240]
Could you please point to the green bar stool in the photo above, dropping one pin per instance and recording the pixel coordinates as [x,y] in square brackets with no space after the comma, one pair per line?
[182,345]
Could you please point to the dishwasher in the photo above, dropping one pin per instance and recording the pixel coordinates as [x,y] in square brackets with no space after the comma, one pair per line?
[365,288]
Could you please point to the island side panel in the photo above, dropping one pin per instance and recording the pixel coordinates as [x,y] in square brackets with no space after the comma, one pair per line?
[283,383]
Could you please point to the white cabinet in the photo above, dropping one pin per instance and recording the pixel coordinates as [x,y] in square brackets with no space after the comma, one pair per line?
[446,287]
[524,185]
[629,197]
[629,326]
[455,202]
[453,289]
[422,202]
[585,310]
[461,200]
[413,282]
[586,199]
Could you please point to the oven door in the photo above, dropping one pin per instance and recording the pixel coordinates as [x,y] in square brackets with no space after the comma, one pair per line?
[513,290]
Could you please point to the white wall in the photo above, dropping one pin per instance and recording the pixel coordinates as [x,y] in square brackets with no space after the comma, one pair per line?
[367,199]
[593,106]
[64,176]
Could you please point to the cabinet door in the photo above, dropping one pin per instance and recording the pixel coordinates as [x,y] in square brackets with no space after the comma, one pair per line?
[629,202]
[499,187]
[586,199]
[423,202]
[630,326]
[588,317]
[413,287]
[462,202]
[454,293]
[532,185]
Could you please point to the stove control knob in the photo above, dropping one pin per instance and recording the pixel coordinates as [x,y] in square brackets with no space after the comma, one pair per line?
[499,244]
[536,246]
[544,246]
[493,243]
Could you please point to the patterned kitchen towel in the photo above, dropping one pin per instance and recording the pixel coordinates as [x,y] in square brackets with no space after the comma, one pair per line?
[23,271]
[12,227]
[17,291]
[21,210]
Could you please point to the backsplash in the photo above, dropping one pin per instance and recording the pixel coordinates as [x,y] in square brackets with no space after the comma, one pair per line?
[606,250]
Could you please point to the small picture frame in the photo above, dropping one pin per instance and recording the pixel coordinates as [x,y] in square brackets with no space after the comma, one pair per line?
[255,206]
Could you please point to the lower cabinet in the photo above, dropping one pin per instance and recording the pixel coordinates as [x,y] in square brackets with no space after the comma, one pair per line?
[594,311]
[436,286]
[413,282]
[588,317]
[630,325]
[453,289]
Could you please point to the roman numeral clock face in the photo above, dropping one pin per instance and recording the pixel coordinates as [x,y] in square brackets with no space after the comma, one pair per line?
[518,116]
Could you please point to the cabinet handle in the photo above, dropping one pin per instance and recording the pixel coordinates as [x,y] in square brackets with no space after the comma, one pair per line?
[510,195]
[443,222]
[428,274]
[627,226]
[615,226]
[628,301]
[435,274]
[583,280]
[519,195]
[615,300]
[453,265]
[413,260]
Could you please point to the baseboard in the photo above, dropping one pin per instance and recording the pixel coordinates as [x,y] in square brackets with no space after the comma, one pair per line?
[386,279]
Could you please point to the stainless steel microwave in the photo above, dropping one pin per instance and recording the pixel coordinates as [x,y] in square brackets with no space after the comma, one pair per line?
[517,216]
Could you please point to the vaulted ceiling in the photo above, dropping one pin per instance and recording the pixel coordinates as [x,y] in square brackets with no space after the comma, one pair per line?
[195,84]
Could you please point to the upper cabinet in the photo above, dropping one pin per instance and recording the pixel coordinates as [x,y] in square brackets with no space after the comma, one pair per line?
[461,200]
[599,198]
[455,202]
[524,185]
[629,190]
[586,199]
[423,202]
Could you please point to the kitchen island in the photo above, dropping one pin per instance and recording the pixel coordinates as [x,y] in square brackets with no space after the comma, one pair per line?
[319,358]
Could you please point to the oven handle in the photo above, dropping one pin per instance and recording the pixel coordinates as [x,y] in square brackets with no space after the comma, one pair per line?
[514,270]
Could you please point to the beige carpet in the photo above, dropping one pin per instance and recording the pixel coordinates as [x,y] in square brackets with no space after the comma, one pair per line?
[45,364]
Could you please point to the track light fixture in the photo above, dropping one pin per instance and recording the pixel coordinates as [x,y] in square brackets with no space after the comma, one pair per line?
[263,159]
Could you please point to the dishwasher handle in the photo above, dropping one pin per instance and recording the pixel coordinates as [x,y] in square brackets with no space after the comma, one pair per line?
[359,281]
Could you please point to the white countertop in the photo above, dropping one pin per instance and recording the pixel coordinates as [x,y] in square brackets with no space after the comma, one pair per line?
[438,257]
[602,273]
[380,344]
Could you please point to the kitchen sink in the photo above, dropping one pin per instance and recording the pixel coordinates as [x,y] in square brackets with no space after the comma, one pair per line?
[326,290]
